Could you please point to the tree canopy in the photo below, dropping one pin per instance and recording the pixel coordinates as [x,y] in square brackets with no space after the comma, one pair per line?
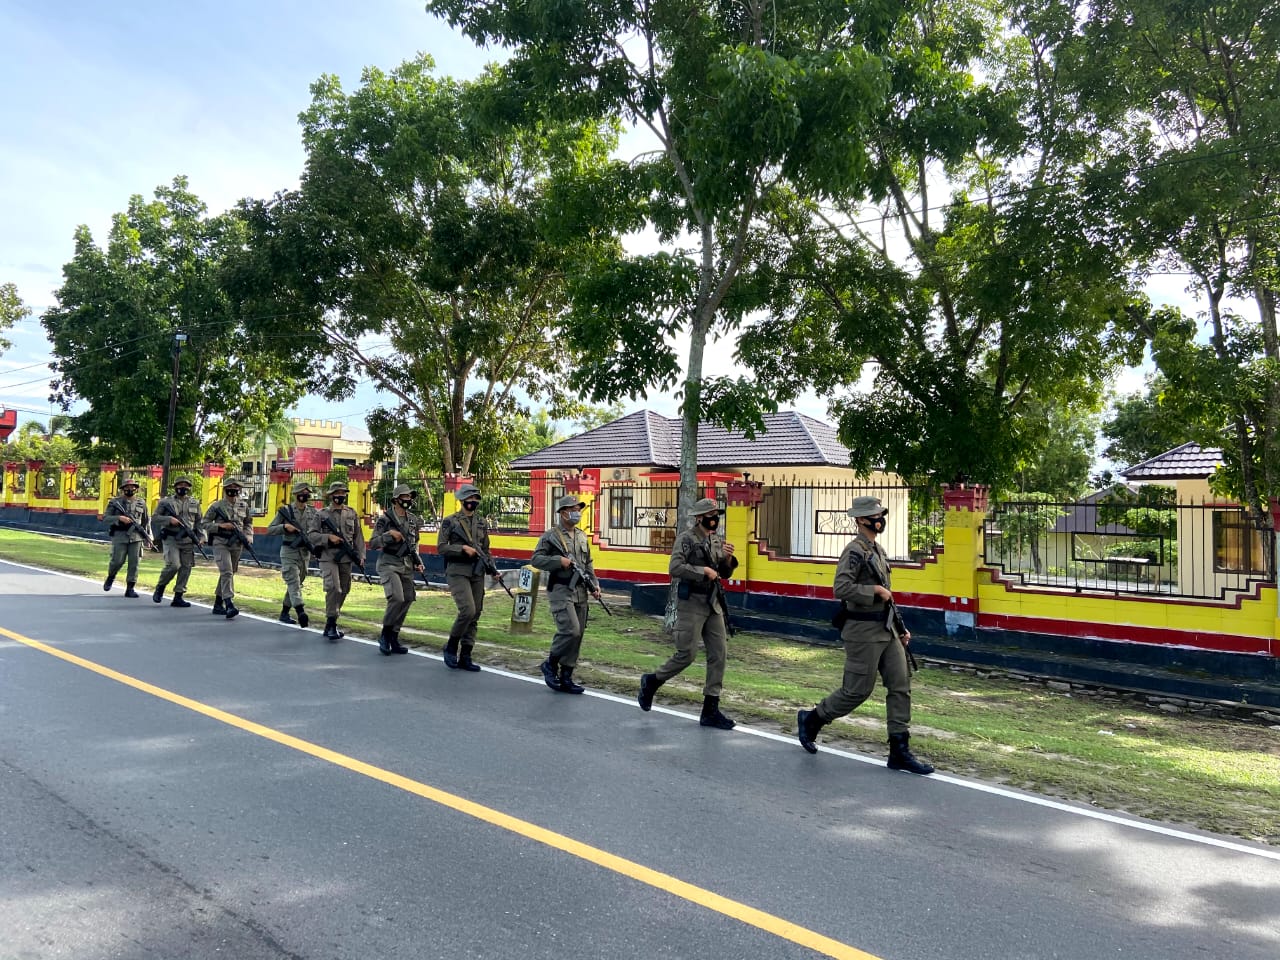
[430,247]
[12,309]
[745,103]
[1189,93]
[112,335]
[982,282]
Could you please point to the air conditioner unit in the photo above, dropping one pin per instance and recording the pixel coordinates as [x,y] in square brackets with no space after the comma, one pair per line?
[622,473]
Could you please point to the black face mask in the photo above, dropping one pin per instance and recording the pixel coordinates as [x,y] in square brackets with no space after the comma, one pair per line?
[875,524]
[404,504]
[232,494]
[182,492]
[303,497]
[470,504]
[710,522]
[338,499]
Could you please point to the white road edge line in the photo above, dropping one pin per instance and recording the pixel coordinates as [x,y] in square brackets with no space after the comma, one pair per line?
[1113,818]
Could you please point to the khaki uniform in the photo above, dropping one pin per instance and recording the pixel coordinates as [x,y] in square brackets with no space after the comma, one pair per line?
[869,645]
[566,592]
[295,548]
[701,615]
[465,575]
[335,573]
[226,548]
[126,539]
[179,549]
[397,563]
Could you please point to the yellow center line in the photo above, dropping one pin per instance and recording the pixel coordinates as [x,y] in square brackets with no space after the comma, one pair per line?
[620,865]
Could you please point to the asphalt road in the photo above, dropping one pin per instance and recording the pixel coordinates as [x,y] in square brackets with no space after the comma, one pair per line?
[314,800]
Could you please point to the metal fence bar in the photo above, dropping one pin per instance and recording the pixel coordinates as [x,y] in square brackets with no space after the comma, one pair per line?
[1143,545]
[810,521]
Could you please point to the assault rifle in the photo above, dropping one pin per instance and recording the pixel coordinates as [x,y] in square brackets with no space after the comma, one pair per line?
[893,621]
[580,572]
[345,549]
[235,535]
[389,513]
[142,529]
[492,569]
[187,530]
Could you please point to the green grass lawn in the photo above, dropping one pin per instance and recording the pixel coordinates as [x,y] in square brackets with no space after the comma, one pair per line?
[1214,774]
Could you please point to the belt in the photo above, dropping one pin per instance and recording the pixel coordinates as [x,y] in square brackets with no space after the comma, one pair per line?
[879,615]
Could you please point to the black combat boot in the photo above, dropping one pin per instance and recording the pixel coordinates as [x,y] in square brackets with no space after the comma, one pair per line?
[106,584]
[551,672]
[464,661]
[284,614]
[808,723]
[303,619]
[177,601]
[450,652]
[230,610]
[129,591]
[901,757]
[396,645]
[566,681]
[711,715]
[649,684]
[384,642]
[158,595]
[331,631]
[218,609]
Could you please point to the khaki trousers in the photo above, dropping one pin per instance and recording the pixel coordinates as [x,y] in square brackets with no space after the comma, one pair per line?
[179,558]
[570,616]
[468,597]
[870,649]
[696,621]
[124,551]
[336,577]
[396,575]
[293,571]
[227,558]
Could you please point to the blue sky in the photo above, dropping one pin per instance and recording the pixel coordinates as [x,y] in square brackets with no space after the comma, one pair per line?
[103,101]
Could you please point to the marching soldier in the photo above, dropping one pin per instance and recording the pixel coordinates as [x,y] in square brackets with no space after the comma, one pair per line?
[557,551]
[871,644]
[699,560]
[292,523]
[177,519]
[336,533]
[464,544]
[396,535]
[229,526]
[126,518]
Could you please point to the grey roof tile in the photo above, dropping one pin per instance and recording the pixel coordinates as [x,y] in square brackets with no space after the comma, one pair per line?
[1189,461]
[649,439]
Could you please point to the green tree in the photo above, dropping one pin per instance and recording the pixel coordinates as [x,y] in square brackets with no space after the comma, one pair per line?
[744,103]
[113,328]
[984,283]
[278,432]
[430,244]
[1189,93]
[1144,425]
[1061,451]
[31,441]
[12,309]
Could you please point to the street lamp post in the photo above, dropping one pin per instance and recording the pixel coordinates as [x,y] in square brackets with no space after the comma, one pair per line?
[178,340]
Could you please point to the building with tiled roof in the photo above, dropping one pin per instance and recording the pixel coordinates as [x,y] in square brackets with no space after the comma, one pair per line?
[648,439]
[1189,461]
[633,462]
